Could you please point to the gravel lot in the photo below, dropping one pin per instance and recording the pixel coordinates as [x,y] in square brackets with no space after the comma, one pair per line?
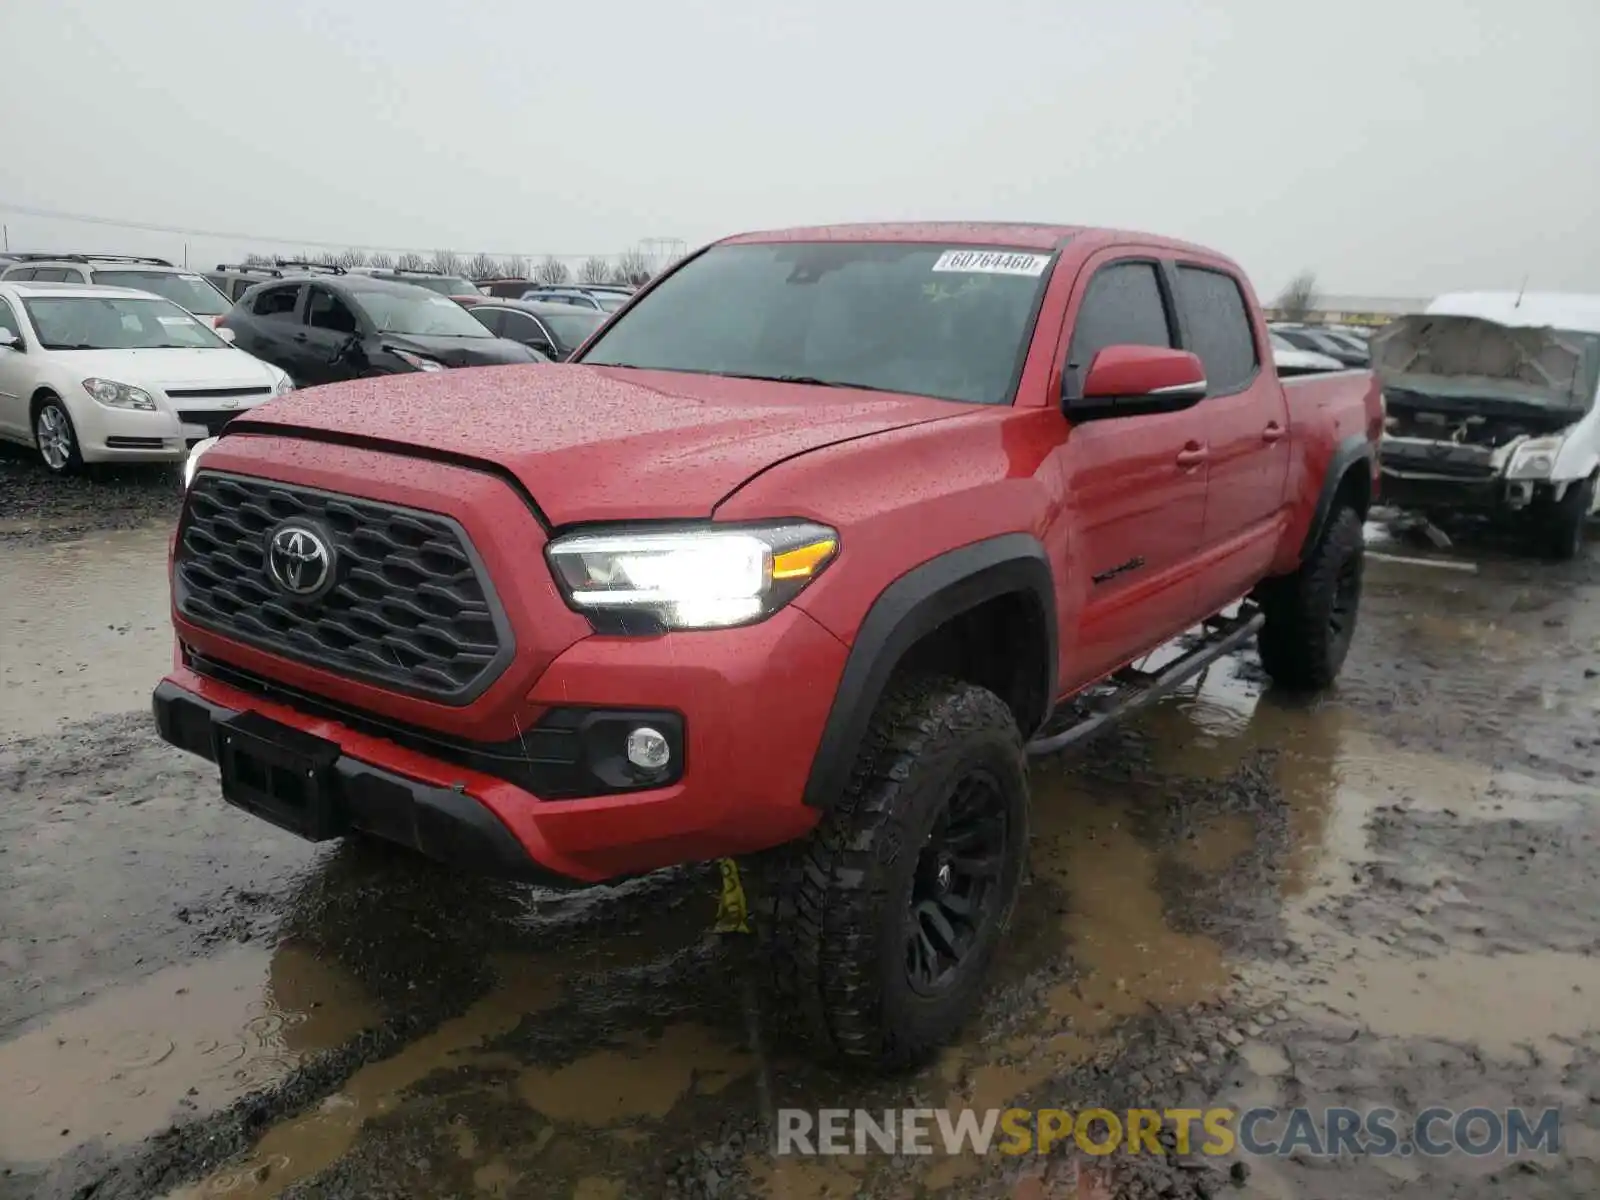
[1387,897]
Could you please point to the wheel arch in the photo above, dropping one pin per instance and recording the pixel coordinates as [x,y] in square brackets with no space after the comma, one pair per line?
[1348,479]
[999,588]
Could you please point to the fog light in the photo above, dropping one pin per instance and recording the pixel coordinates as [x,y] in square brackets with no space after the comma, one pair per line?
[648,749]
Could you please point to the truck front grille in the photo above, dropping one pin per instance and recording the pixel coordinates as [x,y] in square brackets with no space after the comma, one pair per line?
[407,604]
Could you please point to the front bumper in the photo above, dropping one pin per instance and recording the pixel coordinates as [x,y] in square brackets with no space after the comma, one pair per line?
[137,435]
[752,704]
[441,822]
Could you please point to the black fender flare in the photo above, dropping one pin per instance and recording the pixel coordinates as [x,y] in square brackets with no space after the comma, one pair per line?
[1351,451]
[911,607]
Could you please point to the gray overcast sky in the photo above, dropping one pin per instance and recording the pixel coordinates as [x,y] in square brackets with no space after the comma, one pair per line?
[1399,148]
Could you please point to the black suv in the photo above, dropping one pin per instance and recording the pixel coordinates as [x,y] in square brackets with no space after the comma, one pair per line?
[326,327]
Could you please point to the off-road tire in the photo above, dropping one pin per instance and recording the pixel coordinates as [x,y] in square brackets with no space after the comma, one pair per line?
[1564,521]
[833,910]
[1301,645]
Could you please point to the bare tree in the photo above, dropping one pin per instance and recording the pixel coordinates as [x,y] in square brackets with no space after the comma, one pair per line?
[326,259]
[552,270]
[257,260]
[481,266]
[446,262]
[1299,298]
[383,262]
[352,258]
[515,267]
[595,270]
[410,261]
[633,266]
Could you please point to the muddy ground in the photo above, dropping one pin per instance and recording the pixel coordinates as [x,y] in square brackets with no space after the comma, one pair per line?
[1389,897]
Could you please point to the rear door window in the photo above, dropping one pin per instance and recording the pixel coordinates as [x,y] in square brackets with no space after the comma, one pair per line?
[492,319]
[1217,321]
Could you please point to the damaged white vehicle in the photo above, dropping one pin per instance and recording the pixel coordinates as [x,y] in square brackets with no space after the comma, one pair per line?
[1491,408]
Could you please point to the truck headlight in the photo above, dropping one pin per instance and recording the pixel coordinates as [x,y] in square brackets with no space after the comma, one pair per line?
[119,395]
[1534,458]
[709,577]
[192,463]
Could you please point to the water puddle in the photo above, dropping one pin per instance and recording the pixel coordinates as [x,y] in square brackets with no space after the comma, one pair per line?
[1127,955]
[188,1039]
[316,1140]
[87,628]
[642,1080]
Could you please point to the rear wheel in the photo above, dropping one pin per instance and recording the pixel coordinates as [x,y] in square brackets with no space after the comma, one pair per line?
[1311,615]
[879,927]
[56,437]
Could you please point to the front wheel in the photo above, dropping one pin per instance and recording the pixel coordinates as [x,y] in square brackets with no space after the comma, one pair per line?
[1566,519]
[879,928]
[1311,615]
[56,437]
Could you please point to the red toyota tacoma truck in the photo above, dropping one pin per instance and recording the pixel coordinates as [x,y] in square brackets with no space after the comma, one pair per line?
[795,562]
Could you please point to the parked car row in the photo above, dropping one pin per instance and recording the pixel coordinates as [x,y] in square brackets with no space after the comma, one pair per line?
[183,287]
[1346,348]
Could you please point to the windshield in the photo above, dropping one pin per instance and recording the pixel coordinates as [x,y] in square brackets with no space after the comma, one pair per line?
[106,323]
[572,327]
[192,292]
[401,311]
[903,317]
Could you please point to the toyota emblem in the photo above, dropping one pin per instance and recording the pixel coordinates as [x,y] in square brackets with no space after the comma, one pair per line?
[299,560]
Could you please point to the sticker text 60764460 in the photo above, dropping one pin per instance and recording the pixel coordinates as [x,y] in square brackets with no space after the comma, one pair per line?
[992,262]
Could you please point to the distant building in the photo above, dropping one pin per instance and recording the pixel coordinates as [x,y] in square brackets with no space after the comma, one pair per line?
[1359,310]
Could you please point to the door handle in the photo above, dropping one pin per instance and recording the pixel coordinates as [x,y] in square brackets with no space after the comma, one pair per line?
[1273,432]
[1192,455]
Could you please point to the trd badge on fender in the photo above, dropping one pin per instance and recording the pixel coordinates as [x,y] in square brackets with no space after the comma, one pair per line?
[299,559]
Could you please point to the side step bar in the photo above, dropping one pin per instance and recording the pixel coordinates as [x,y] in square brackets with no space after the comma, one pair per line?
[1135,689]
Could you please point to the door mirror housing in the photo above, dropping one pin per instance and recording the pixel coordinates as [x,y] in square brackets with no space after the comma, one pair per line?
[9,340]
[226,334]
[1127,381]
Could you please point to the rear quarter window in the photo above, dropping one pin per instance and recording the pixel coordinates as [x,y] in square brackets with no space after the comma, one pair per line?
[1217,320]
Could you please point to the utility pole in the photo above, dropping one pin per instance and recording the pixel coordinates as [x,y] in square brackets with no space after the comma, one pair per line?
[6,230]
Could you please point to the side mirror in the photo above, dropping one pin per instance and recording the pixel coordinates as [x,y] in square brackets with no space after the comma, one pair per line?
[542,346]
[9,340]
[1127,381]
[226,334]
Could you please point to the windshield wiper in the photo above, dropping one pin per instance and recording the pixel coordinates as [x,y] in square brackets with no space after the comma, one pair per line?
[807,380]
[70,346]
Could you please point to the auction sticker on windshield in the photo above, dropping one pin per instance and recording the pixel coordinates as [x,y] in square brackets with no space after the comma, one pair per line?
[992,262]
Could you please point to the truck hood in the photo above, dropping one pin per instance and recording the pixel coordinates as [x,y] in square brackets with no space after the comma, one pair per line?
[600,443]
[1469,364]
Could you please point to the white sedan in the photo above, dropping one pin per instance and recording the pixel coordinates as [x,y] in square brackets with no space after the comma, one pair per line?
[102,374]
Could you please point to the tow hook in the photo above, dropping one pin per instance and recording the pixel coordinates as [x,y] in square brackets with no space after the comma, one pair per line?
[733,912]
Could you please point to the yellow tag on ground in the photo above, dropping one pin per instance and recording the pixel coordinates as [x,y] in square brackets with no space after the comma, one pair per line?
[733,915]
